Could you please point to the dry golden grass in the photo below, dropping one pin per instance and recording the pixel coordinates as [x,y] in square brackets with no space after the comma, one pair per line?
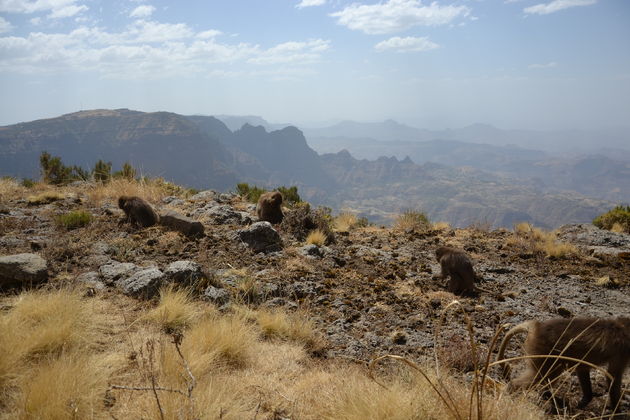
[441,226]
[175,311]
[289,326]
[71,386]
[152,190]
[411,220]
[45,197]
[617,228]
[219,341]
[540,241]
[345,222]
[11,188]
[316,237]
[48,322]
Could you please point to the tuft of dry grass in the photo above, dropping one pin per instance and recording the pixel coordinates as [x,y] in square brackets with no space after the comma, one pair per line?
[71,386]
[47,322]
[44,198]
[289,326]
[10,188]
[412,220]
[175,311]
[316,237]
[345,222]
[617,228]
[152,190]
[540,241]
[441,226]
[219,341]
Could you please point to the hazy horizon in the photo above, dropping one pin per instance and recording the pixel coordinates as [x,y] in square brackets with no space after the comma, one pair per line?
[516,64]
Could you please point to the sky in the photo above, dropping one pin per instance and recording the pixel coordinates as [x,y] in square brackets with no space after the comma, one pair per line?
[528,64]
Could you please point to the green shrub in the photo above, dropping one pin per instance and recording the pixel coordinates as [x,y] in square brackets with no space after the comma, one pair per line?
[28,183]
[290,195]
[73,220]
[53,170]
[412,220]
[102,171]
[251,194]
[127,172]
[619,215]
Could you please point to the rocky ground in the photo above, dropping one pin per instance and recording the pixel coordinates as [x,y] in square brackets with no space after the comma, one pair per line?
[373,291]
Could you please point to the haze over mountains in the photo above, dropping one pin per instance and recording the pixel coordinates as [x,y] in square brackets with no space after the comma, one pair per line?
[453,175]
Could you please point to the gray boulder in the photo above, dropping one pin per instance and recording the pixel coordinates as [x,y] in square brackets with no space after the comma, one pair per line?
[116,270]
[21,269]
[216,295]
[207,195]
[143,284]
[91,279]
[184,272]
[181,223]
[224,214]
[261,237]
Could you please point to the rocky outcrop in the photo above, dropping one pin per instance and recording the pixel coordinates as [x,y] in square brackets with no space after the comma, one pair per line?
[175,221]
[260,237]
[143,284]
[22,269]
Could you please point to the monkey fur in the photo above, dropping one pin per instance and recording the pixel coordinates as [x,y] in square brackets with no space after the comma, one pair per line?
[138,211]
[598,341]
[269,208]
[457,266]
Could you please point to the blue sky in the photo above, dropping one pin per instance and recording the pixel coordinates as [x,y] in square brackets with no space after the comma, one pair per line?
[537,64]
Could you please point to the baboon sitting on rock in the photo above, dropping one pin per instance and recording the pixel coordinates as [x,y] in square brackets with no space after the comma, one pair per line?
[594,340]
[137,211]
[269,208]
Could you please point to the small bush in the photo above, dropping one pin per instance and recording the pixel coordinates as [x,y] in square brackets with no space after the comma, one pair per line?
[102,171]
[28,183]
[345,222]
[540,241]
[290,195]
[441,226]
[301,220]
[251,194]
[128,172]
[316,237]
[74,219]
[412,220]
[620,215]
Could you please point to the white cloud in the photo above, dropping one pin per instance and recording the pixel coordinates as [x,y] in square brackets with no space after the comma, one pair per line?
[549,65]
[32,6]
[309,3]
[5,25]
[292,52]
[142,11]
[397,15]
[67,11]
[409,43]
[147,50]
[209,34]
[556,5]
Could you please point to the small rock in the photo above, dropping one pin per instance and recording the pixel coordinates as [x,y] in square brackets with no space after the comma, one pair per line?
[181,223]
[564,312]
[207,195]
[224,214]
[217,296]
[143,284]
[310,250]
[19,269]
[261,237]
[226,197]
[184,272]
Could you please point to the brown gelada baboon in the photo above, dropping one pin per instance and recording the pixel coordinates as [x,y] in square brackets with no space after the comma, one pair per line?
[457,266]
[594,340]
[269,208]
[138,211]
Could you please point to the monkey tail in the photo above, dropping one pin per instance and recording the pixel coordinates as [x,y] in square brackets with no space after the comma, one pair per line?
[522,327]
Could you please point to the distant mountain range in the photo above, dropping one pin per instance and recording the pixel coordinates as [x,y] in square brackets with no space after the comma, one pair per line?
[203,152]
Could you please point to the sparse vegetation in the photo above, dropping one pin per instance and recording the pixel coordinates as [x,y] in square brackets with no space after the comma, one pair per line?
[45,198]
[252,193]
[538,241]
[412,220]
[74,219]
[617,219]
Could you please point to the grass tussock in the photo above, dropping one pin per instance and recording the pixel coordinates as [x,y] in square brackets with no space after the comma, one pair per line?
[152,190]
[412,220]
[45,197]
[288,326]
[71,386]
[10,188]
[539,241]
[316,237]
[47,322]
[175,311]
[219,341]
[73,219]
[441,226]
[345,222]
